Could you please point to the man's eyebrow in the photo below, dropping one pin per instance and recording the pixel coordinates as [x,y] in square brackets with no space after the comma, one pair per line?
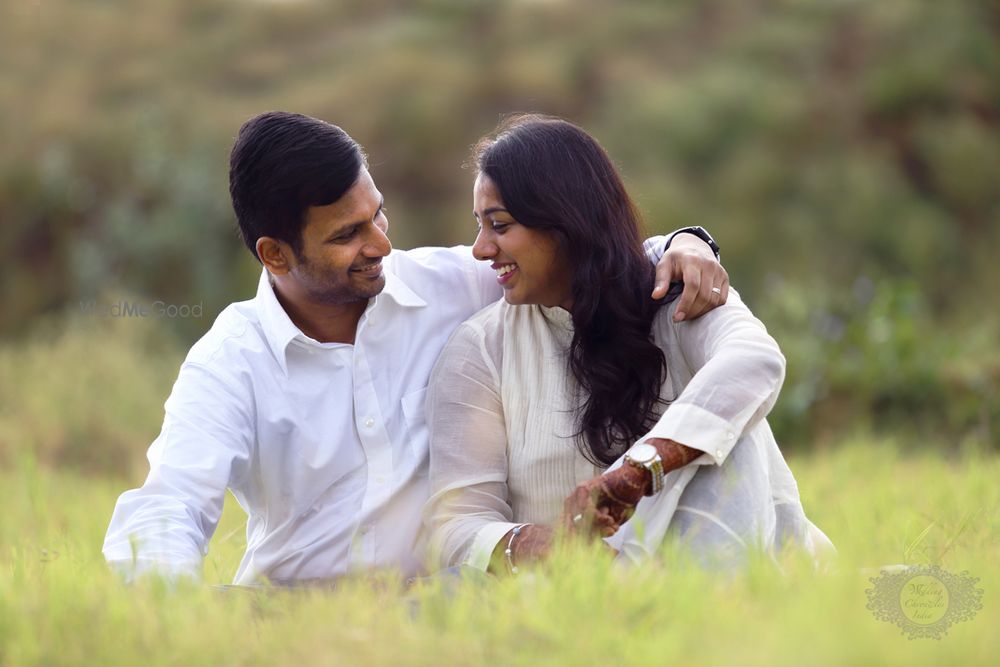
[351,226]
[381,205]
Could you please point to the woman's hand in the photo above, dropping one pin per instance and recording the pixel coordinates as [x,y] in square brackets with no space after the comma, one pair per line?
[532,543]
[706,282]
[599,506]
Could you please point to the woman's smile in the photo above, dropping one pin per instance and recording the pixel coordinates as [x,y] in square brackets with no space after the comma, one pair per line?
[505,273]
[526,259]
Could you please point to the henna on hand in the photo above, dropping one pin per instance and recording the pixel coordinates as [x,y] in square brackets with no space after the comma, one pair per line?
[600,505]
[532,544]
[628,484]
[673,454]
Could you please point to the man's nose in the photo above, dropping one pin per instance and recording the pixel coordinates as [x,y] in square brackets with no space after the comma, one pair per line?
[377,244]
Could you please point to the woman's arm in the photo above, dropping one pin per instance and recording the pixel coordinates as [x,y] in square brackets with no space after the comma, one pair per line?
[468,516]
[736,370]
[600,505]
[468,512]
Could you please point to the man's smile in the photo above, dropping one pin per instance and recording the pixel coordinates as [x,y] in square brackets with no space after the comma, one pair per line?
[373,270]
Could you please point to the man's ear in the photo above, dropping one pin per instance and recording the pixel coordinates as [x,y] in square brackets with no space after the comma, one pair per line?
[274,255]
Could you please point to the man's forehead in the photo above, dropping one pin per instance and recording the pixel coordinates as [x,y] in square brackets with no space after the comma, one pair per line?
[358,204]
[360,196]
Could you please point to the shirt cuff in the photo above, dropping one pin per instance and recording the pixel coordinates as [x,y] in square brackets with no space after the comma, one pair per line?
[132,569]
[698,428]
[487,539]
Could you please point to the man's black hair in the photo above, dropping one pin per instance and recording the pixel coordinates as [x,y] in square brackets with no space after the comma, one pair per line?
[281,164]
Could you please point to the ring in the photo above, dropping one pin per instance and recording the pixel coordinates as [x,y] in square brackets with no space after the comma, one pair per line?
[717,290]
[578,518]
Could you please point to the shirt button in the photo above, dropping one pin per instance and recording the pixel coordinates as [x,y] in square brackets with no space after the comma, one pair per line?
[730,435]
[380,479]
[369,422]
[718,453]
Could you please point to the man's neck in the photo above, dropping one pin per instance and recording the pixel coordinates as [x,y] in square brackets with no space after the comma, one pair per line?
[323,322]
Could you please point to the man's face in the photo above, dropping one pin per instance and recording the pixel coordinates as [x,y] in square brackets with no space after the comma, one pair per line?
[343,244]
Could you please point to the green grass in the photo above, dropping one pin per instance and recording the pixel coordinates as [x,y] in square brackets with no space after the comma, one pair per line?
[60,605]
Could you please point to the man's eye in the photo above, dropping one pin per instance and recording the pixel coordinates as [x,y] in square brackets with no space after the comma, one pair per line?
[499,227]
[347,236]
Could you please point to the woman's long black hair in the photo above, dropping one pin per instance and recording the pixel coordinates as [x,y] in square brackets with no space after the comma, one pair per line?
[555,177]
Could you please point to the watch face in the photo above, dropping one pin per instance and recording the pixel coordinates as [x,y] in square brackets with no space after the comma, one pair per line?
[642,453]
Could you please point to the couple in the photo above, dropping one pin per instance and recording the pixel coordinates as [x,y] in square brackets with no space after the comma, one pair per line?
[307,402]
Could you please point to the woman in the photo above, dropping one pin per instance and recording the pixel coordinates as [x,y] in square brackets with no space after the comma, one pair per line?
[537,400]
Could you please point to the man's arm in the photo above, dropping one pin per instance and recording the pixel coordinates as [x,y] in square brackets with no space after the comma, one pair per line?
[205,444]
[686,265]
[689,264]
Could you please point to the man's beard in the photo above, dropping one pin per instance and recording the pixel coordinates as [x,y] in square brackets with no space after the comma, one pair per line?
[338,290]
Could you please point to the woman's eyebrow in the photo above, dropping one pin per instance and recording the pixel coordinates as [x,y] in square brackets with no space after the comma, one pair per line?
[491,211]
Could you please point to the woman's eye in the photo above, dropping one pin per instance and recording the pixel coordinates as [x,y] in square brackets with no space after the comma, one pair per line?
[496,227]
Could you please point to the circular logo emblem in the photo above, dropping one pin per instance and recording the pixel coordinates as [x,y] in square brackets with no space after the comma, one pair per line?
[924,600]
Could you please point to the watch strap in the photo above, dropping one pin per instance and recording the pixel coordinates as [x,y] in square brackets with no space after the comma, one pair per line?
[701,233]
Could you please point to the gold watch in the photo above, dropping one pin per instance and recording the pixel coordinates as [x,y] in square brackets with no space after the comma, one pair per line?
[644,455]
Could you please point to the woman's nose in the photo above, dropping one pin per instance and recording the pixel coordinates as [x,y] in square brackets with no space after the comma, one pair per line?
[483,249]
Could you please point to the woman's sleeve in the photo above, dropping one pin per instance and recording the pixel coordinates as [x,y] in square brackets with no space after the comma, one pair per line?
[737,372]
[468,512]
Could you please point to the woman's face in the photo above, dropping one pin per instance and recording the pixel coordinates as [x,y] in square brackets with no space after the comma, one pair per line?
[529,265]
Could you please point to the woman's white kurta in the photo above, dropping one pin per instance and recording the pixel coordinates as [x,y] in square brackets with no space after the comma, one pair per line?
[502,409]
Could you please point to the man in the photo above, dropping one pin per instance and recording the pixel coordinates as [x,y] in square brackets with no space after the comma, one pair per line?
[307,401]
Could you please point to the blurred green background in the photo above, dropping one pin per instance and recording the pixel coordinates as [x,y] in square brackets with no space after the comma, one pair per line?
[845,154]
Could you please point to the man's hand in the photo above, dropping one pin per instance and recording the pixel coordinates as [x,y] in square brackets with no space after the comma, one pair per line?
[689,259]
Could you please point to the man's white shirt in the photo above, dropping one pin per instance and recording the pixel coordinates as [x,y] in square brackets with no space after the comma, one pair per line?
[324,445]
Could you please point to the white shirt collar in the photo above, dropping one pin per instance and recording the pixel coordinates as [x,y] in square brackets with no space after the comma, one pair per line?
[397,290]
[280,330]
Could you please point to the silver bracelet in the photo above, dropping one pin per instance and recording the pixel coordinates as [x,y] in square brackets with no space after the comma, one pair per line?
[507,552]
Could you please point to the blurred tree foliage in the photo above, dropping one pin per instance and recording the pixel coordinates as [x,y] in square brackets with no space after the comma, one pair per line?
[845,153]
